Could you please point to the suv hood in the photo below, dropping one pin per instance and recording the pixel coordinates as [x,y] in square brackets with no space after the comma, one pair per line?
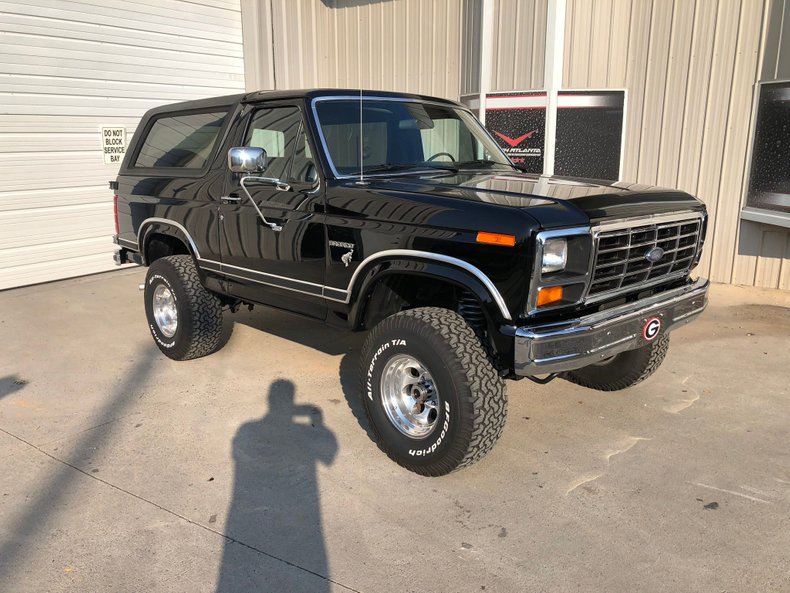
[553,201]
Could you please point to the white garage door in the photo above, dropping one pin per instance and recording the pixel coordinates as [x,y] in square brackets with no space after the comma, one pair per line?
[69,68]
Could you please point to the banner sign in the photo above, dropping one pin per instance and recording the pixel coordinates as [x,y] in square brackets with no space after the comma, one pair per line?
[517,121]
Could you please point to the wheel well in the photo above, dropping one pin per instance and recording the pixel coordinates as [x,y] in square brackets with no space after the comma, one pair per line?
[158,245]
[400,292]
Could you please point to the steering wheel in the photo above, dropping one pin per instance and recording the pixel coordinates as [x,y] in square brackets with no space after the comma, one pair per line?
[438,154]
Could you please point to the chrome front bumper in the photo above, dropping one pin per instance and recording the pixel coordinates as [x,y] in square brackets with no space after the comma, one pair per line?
[558,347]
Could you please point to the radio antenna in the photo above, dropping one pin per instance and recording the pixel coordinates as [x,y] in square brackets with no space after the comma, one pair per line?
[361,152]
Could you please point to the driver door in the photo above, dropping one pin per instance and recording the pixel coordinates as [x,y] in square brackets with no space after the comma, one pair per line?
[283,268]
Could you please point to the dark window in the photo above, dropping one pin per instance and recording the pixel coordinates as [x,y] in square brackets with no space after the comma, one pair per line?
[769,186]
[589,134]
[183,141]
[275,130]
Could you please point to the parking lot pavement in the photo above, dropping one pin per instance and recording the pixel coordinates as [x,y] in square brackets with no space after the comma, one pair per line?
[250,470]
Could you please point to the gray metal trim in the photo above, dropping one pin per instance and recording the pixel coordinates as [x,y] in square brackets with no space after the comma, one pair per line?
[286,278]
[346,293]
[589,338]
[627,223]
[536,283]
[486,281]
[280,286]
[171,222]
[766,216]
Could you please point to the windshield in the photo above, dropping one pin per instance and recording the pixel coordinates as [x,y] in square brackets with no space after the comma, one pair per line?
[403,135]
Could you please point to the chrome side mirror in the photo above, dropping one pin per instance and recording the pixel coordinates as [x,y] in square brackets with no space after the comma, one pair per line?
[247,159]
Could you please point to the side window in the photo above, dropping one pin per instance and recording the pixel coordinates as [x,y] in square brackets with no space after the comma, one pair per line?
[184,141]
[275,130]
[303,167]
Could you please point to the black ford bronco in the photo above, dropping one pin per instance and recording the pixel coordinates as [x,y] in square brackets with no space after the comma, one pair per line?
[399,215]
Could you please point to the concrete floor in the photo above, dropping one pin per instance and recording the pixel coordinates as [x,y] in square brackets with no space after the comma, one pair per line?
[249,471]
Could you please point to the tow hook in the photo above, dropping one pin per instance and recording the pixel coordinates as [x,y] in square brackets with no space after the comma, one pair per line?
[543,380]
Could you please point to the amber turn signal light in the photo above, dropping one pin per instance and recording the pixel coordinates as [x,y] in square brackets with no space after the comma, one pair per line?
[496,239]
[548,295]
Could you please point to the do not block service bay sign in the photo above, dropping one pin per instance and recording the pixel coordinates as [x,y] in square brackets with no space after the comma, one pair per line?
[113,144]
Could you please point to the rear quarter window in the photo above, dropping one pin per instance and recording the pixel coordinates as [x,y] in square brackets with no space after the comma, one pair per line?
[180,141]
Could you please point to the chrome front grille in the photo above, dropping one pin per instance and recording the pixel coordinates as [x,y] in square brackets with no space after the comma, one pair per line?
[621,263]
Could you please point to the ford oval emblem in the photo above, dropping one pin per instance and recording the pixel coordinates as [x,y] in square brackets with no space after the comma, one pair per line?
[654,255]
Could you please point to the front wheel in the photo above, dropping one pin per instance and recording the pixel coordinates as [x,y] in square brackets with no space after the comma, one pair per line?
[185,319]
[622,370]
[432,398]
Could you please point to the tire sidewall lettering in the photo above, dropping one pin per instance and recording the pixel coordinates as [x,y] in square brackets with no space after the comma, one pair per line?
[372,365]
[151,282]
[417,449]
[445,429]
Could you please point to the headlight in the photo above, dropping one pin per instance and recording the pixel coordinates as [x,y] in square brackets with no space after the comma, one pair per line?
[555,255]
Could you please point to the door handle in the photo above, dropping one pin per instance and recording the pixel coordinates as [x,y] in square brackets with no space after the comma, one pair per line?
[230,199]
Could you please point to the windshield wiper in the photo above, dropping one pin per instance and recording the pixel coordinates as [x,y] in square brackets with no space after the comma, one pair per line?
[481,163]
[416,167]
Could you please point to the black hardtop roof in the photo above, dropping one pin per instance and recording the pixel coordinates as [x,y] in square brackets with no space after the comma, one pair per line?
[307,94]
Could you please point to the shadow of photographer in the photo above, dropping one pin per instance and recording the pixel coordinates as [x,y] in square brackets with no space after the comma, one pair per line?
[275,512]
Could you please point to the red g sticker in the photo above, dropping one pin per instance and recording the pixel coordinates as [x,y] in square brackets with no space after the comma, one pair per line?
[651,329]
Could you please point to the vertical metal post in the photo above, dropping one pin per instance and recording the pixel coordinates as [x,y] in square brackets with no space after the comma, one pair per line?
[552,69]
[486,51]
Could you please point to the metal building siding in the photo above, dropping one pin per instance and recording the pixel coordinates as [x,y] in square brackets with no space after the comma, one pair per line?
[689,67]
[471,23]
[407,45]
[66,69]
[519,44]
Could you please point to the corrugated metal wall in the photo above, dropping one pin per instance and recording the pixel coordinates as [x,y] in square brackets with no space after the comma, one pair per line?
[518,48]
[471,28]
[519,44]
[406,45]
[68,68]
[689,67]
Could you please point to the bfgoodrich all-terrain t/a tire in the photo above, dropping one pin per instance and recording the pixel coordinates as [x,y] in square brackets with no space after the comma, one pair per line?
[622,370]
[432,398]
[185,319]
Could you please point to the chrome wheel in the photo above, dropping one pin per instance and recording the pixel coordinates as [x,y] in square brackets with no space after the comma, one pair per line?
[409,396]
[165,311]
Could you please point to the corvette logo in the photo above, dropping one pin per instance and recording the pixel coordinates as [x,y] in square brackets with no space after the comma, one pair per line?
[513,142]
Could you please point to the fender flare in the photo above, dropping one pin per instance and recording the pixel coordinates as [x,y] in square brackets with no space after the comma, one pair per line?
[431,265]
[164,226]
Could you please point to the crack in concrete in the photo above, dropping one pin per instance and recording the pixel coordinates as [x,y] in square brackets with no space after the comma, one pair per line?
[176,514]
[582,481]
[746,496]
[627,444]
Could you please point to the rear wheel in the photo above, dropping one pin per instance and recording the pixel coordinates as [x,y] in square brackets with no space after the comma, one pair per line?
[185,319]
[622,370]
[432,398]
